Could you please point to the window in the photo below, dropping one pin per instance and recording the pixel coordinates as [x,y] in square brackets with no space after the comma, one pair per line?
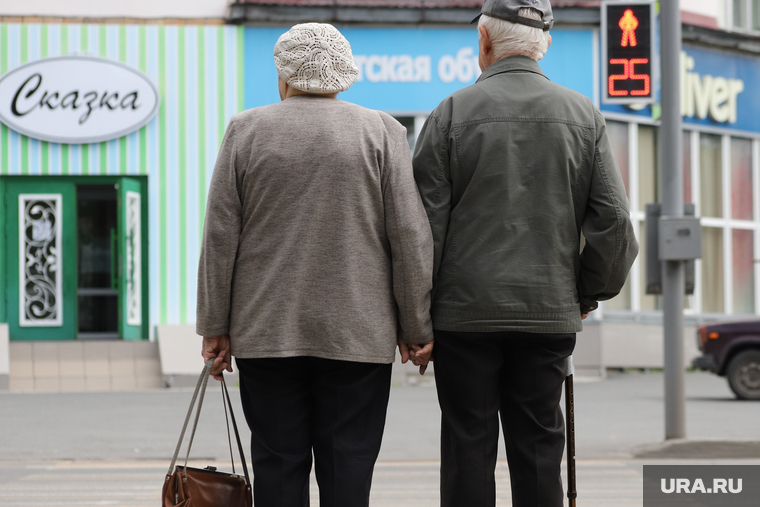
[741,179]
[413,125]
[727,201]
[648,157]
[408,122]
[649,302]
[687,167]
[648,193]
[711,182]
[743,267]
[745,14]
[719,178]
[618,134]
[739,14]
[712,270]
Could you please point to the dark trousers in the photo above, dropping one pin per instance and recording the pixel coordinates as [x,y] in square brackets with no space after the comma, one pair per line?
[299,405]
[520,377]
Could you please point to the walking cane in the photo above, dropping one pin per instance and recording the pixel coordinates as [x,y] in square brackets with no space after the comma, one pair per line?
[570,429]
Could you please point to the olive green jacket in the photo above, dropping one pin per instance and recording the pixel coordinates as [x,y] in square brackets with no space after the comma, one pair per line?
[511,170]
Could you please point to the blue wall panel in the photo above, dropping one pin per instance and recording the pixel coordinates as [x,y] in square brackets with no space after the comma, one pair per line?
[410,70]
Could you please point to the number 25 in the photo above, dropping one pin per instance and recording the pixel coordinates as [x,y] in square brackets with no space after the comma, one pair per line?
[629,72]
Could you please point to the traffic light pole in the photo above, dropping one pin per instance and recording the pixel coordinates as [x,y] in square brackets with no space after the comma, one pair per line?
[671,183]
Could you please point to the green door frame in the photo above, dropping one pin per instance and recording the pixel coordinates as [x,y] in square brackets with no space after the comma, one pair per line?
[3,255]
[130,321]
[79,180]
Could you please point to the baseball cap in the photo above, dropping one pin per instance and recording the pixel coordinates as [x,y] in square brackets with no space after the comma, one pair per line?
[508,10]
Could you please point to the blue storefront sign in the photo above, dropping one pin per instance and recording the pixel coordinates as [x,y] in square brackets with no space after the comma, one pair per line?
[407,71]
[716,90]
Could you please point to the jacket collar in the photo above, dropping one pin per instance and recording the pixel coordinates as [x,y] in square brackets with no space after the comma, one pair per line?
[512,64]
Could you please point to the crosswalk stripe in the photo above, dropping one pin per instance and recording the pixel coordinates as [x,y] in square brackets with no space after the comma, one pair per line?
[603,483]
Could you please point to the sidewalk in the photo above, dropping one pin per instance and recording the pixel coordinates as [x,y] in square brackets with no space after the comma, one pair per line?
[113,448]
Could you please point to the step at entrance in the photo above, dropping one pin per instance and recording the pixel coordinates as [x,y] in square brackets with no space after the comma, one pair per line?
[66,366]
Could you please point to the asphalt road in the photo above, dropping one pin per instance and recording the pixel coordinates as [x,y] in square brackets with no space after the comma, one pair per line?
[614,417]
[113,449]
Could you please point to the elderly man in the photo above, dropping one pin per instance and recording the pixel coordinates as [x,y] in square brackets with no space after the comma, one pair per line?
[316,258]
[511,171]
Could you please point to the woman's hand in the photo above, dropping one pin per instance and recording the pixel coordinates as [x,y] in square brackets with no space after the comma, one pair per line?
[218,348]
[420,355]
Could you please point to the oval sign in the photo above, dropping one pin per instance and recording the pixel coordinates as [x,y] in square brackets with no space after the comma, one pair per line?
[76,99]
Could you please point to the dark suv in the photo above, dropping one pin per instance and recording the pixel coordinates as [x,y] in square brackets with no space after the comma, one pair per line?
[732,349]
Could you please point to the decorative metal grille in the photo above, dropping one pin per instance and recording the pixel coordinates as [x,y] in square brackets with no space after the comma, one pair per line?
[133,260]
[40,262]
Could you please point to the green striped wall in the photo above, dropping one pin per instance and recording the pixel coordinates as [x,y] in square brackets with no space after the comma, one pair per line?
[199,73]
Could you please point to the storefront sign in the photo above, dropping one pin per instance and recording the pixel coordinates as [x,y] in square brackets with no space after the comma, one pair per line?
[408,71]
[76,99]
[462,67]
[706,95]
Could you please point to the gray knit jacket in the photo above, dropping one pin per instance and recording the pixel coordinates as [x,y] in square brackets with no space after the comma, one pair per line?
[316,242]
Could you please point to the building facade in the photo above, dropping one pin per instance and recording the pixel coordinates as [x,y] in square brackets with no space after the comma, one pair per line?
[124,215]
[102,239]
[406,69]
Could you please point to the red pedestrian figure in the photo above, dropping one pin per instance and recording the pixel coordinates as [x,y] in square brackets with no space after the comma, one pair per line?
[628,23]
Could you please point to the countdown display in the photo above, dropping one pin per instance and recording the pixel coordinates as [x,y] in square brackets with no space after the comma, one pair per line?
[627,52]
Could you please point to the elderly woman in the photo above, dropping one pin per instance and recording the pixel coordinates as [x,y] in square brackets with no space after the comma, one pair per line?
[316,259]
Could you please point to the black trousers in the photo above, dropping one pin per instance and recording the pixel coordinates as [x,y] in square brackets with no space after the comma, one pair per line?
[520,377]
[299,405]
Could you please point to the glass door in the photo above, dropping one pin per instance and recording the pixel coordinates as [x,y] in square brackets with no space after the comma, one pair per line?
[97,280]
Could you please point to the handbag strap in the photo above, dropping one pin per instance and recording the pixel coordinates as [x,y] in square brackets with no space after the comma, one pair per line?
[237,435]
[202,381]
[201,388]
[227,421]
[209,363]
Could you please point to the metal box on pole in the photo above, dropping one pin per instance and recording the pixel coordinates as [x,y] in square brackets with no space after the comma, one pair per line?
[653,257]
[680,238]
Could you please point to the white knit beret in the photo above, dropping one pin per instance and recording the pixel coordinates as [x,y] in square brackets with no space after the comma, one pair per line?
[315,58]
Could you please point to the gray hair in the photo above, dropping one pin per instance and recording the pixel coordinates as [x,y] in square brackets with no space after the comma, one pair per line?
[510,39]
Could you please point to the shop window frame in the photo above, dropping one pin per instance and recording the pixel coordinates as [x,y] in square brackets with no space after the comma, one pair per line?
[726,223]
[749,13]
[638,218]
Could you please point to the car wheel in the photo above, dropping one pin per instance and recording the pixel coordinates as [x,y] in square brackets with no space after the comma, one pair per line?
[744,375]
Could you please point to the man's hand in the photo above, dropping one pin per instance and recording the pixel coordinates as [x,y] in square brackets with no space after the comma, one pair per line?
[218,348]
[420,355]
[584,315]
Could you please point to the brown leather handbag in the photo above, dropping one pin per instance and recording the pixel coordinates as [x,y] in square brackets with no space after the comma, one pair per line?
[196,487]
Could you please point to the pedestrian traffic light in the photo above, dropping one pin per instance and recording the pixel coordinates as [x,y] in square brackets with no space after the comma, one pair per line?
[627,52]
